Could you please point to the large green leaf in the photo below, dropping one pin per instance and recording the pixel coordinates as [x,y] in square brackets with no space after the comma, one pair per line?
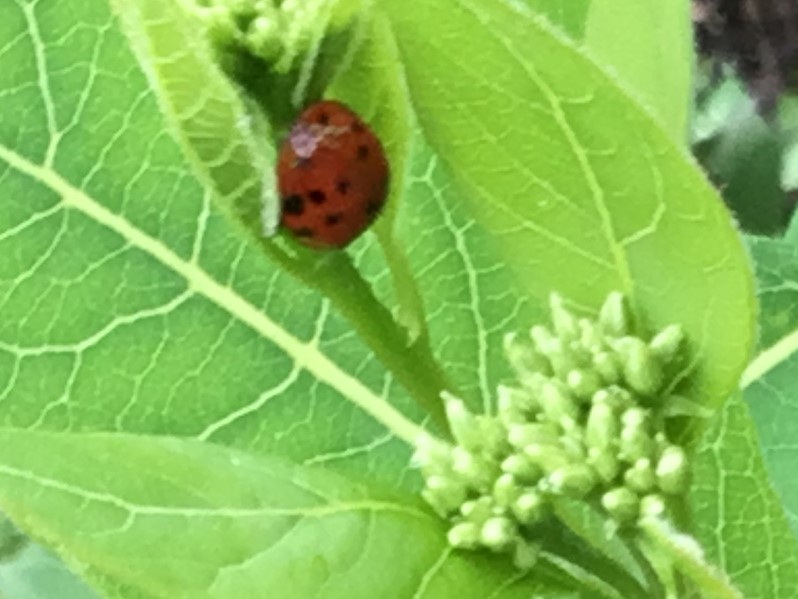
[737,516]
[570,17]
[553,158]
[200,521]
[36,574]
[649,45]
[770,383]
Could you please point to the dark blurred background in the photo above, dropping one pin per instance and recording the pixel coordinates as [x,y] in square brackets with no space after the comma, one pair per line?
[745,118]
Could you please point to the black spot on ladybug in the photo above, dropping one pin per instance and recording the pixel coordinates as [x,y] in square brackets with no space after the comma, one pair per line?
[358,127]
[373,207]
[303,232]
[324,119]
[317,196]
[362,152]
[293,205]
[342,186]
[333,219]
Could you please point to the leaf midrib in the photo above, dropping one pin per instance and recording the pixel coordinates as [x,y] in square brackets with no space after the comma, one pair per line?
[770,358]
[304,354]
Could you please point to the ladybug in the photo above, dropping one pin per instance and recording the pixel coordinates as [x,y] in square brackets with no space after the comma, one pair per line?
[332,176]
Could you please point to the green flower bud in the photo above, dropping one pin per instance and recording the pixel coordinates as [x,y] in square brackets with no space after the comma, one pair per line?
[580,355]
[653,505]
[640,477]
[263,38]
[573,446]
[607,367]
[498,533]
[463,423]
[521,435]
[529,507]
[525,555]
[565,325]
[602,428]
[570,426]
[505,490]
[583,383]
[493,436]
[642,372]
[574,480]
[561,358]
[547,457]
[666,344]
[617,398]
[475,470]
[444,494]
[635,441]
[523,358]
[221,27]
[614,316]
[513,404]
[432,456]
[604,462]
[478,510]
[622,504]
[465,535]
[636,417]
[673,471]
[556,402]
[541,338]
[522,468]
[589,335]
[532,385]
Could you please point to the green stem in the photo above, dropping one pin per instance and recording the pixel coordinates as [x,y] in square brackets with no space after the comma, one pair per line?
[586,579]
[585,563]
[650,573]
[686,555]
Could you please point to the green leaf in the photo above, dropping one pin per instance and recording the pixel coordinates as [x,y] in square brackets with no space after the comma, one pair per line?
[202,521]
[792,231]
[743,155]
[770,384]
[211,121]
[571,17]
[776,267]
[649,45]
[737,517]
[551,157]
[36,574]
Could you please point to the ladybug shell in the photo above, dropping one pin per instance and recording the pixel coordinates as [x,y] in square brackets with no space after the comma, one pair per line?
[332,176]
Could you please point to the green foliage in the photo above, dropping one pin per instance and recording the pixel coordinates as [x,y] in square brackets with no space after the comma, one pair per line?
[770,385]
[743,153]
[189,409]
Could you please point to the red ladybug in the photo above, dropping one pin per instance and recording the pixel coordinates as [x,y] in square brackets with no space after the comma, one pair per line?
[332,176]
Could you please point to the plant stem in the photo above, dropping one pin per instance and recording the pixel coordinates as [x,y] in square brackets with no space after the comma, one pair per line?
[586,579]
[654,580]
[584,562]
[686,555]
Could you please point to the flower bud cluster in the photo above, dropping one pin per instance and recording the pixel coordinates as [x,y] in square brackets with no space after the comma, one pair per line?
[585,421]
[274,31]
